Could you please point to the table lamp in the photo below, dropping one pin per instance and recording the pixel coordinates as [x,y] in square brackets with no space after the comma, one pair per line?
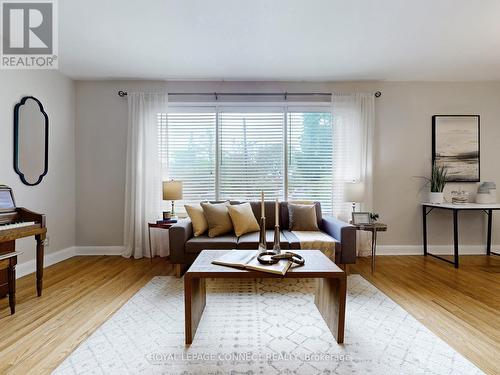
[354,192]
[172,191]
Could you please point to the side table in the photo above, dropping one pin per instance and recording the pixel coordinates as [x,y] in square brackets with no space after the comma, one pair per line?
[156,225]
[374,228]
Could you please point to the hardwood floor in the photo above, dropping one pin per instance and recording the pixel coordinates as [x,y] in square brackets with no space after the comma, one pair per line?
[79,295]
[461,306]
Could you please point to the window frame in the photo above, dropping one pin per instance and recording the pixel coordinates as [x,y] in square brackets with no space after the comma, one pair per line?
[256,106]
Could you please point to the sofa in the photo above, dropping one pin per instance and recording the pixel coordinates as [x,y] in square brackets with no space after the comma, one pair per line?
[184,247]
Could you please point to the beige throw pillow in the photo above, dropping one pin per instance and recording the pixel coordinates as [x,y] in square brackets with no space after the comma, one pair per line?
[197,217]
[302,217]
[218,219]
[243,219]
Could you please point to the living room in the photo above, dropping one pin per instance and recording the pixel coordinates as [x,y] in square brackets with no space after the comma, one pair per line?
[352,145]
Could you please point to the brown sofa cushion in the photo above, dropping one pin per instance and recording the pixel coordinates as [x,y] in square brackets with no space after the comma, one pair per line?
[197,244]
[218,219]
[251,240]
[303,217]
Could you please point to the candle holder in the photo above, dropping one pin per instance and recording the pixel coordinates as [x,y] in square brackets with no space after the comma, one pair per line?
[277,240]
[262,235]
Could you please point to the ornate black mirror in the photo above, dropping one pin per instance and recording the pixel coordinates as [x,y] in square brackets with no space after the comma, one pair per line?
[31,141]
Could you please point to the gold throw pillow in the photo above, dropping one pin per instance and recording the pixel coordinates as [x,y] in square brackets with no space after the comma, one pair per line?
[302,217]
[197,217]
[218,219]
[243,219]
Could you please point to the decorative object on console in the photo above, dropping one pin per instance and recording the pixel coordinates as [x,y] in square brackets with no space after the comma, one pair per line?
[486,193]
[455,146]
[31,141]
[172,191]
[437,182]
[354,192]
[459,196]
[361,218]
[373,217]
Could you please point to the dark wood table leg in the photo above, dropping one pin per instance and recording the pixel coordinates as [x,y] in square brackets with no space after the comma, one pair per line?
[40,247]
[488,239]
[11,274]
[330,299]
[424,227]
[194,303]
[455,237]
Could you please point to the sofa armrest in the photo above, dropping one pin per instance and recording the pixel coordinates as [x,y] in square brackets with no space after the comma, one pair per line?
[343,232]
[178,235]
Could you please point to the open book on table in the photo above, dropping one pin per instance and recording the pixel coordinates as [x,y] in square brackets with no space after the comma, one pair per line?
[247,259]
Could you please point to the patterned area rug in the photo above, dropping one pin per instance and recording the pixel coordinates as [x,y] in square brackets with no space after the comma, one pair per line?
[262,327]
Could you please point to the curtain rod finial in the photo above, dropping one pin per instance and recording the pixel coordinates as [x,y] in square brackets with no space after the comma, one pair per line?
[122,93]
[378,94]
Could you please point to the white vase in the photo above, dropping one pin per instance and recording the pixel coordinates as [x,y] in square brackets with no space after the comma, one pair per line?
[436,198]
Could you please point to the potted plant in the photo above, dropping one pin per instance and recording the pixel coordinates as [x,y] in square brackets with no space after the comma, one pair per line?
[437,181]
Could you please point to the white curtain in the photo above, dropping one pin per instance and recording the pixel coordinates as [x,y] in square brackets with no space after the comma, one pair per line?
[143,172]
[353,131]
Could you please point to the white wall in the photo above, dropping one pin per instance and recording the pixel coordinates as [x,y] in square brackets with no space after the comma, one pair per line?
[55,196]
[402,150]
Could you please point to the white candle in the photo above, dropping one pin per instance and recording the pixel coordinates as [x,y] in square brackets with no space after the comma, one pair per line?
[277,213]
[262,210]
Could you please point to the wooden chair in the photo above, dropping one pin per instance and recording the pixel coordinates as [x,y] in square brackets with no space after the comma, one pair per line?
[8,261]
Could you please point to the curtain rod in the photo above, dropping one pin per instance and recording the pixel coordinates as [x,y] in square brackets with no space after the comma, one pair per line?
[377,94]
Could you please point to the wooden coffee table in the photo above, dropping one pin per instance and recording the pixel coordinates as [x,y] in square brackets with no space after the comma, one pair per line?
[330,293]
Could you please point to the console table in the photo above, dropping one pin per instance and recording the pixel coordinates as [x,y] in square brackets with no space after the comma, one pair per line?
[455,208]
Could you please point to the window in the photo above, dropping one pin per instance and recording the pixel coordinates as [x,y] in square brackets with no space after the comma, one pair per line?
[251,155]
[234,153]
[187,152]
[310,157]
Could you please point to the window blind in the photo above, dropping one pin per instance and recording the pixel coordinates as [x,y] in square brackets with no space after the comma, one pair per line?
[251,148]
[310,155]
[187,153]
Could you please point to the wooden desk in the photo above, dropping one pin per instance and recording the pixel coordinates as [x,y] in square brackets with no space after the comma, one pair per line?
[455,208]
[330,296]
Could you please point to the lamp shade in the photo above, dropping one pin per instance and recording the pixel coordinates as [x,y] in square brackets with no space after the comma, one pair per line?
[354,192]
[172,190]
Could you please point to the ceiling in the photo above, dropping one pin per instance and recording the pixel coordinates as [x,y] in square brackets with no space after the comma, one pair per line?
[424,40]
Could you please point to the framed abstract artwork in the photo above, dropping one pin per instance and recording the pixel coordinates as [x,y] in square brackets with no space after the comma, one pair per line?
[455,145]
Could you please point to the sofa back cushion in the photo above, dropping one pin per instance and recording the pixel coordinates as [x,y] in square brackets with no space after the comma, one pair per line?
[303,217]
[218,219]
[285,215]
[243,218]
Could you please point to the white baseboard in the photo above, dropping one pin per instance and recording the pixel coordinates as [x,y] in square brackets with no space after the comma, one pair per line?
[99,250]
[25,268]
[435,249]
